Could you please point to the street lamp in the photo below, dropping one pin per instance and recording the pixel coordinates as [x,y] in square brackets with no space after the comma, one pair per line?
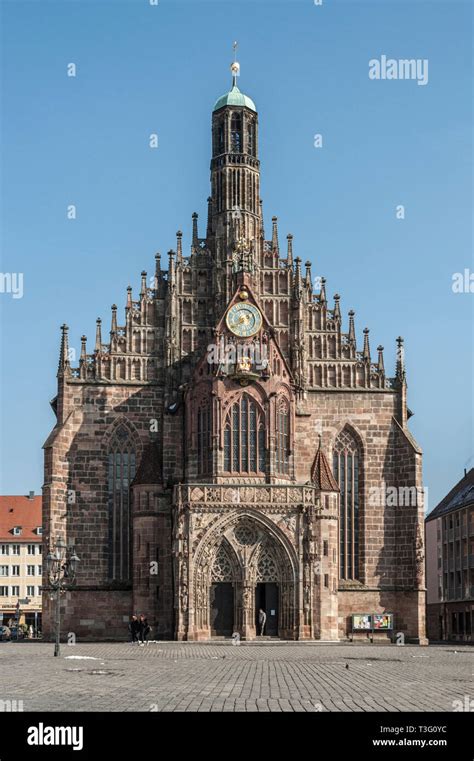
[61,564]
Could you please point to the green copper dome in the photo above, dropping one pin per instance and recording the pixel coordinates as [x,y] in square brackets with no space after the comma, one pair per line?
[234,98]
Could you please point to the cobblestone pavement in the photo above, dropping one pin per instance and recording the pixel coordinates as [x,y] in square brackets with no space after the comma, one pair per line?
[171,676]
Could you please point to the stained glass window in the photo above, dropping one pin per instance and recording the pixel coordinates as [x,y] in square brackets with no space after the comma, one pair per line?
[204,439]
[282,437]
[244,438]
[121,473]
[346,472]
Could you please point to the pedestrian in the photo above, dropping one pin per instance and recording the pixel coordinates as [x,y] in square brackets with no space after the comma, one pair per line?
[262,619]
[134,628]
[144,629]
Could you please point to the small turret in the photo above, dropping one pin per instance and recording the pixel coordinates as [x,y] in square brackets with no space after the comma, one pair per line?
[380,364]
[113,327]
[98,335]
[322,293]
[351,335]
[289,254]
[297,286]
[275,246]
[366,352]
[195,239]
[64,367]
[308,279]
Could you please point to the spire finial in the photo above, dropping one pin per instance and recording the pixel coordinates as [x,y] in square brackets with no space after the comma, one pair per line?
[275,246]
[366,352]
[289,255]
[352,337]
[195,240]
[400,371]
[64,367]
[113,327]
[380,362]
[98,335]
[235,66]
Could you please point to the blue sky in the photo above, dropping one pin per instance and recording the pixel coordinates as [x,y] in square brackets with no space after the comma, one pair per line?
[144,69]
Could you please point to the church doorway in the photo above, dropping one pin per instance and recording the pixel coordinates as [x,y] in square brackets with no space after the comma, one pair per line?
[222,609]
[266,598]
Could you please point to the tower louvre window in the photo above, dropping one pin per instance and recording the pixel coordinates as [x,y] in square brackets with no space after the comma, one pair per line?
[346,469]
[121,473]
[251,139]
[204,439]
[220,138]
[236,133]
[244,437]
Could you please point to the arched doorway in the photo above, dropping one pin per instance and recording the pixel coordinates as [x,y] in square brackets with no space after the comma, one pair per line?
[242,563]
[267,588]
[221,593]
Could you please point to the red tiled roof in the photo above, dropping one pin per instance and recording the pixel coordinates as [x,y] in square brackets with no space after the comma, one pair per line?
[321,474]
[20,511]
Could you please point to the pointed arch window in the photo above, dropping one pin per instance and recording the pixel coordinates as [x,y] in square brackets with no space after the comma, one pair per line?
[236,133]
[204,439]
[121,465]
[283,437]
[251,138]
[220,137]
[244,438]
[346,466]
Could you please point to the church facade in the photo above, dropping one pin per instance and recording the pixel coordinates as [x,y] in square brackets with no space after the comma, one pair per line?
[218,454]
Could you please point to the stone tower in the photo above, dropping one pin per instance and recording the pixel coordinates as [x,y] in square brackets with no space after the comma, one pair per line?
[218,454]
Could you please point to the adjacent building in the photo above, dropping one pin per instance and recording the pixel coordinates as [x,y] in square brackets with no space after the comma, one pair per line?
[216,453]
[21,560]
[450,564]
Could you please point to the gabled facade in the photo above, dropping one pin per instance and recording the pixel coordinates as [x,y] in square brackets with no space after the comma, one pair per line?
[216,455]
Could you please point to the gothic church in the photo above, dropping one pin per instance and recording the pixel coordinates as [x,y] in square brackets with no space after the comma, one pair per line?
[216,454]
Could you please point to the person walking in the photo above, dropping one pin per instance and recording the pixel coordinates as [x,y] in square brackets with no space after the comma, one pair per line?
[134,628]
[144,629]
[262,620]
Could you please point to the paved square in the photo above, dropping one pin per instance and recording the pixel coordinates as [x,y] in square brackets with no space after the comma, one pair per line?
[172,676]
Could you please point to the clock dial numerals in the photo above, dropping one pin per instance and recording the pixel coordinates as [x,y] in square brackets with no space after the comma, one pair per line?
[244,320]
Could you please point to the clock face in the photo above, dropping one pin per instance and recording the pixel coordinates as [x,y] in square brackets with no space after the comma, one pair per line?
[244,320]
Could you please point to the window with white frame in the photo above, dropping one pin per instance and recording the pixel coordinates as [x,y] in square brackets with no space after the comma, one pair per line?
[15,570]
[39,530]
[4,570]
[30,570]
[17,531]
[40,570]
[31,549]
[30,591]
[3,591]
[15,591]
[4,549]
[15,549]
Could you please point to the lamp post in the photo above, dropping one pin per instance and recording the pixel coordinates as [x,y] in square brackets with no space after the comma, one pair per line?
[62,566]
